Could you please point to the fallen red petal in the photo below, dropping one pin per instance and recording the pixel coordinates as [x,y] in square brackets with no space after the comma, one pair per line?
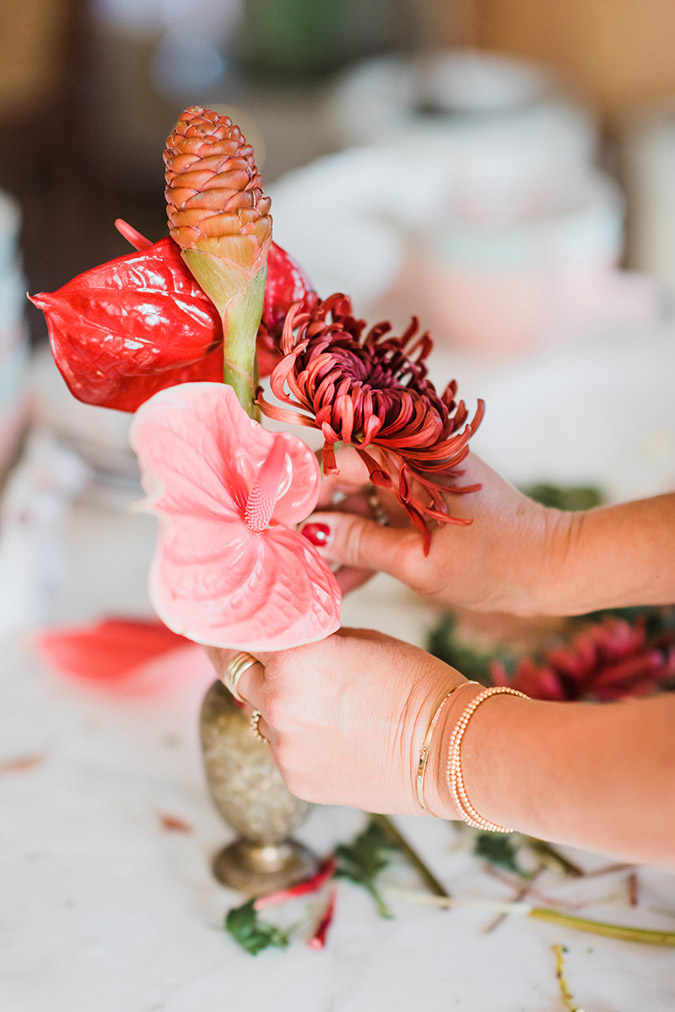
[318,939]
[323,874]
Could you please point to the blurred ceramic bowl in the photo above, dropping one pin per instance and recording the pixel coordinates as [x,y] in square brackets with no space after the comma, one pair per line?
[509,140]
[601,413]
[512,286]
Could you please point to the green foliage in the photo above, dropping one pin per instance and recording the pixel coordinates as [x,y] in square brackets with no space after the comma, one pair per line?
[474,664]
[362,860]
[253,934]
[500,850]
[570,498]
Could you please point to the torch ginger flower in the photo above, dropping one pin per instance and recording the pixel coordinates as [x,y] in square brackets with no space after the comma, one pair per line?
[219,216]
[372,390]
[229,569]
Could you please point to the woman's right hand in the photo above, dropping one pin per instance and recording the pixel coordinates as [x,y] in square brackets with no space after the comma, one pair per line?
[502,561]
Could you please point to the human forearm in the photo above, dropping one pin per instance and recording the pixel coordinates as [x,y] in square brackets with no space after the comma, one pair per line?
[598,776]
[611,557]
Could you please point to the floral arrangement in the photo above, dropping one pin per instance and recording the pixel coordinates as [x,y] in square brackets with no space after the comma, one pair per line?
[180,332]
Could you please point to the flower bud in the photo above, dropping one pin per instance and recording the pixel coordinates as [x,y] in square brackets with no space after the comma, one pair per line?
[214,195]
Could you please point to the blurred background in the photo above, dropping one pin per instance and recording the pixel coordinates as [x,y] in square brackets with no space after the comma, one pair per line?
[504,169]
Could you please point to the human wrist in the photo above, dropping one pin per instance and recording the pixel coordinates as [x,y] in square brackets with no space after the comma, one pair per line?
[546,563]
[486,755]
[438,798]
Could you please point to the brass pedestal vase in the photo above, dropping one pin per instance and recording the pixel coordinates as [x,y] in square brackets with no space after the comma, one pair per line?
[248,791]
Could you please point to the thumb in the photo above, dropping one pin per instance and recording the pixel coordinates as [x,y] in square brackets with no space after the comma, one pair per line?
[361,543]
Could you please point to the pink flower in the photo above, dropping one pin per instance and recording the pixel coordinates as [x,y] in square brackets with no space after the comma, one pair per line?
[371,390]
[229,569]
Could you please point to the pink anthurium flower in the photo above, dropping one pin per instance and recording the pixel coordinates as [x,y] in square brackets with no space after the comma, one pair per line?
[230,570]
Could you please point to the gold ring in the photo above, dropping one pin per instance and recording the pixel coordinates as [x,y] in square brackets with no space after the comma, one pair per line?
[255,721]
[377,509]
[236,667]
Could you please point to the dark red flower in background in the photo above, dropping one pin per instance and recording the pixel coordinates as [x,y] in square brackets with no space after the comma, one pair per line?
[370,389]
[610,660]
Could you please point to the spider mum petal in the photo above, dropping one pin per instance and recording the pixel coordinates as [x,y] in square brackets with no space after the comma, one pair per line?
[371,389]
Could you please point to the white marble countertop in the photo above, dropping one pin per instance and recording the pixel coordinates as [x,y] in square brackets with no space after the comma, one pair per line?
[102,908]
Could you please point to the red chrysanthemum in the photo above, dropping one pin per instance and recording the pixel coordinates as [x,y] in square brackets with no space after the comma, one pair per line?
[610,660]
[371,389]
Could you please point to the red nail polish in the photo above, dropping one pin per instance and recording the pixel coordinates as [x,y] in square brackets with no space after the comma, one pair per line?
[317,534]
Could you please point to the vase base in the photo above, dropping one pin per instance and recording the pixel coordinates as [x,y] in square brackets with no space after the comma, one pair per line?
[257,869]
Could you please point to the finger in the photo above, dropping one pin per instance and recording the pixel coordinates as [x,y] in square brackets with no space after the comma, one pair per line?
[350,578]
[219,656]
[352,474]
[246,686]
[362,544]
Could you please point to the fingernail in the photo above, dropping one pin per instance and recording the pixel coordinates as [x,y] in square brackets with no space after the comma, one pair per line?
[317,534]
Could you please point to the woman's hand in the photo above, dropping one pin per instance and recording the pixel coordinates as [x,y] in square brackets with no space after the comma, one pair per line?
[346,718]
[516,556]
[505,560]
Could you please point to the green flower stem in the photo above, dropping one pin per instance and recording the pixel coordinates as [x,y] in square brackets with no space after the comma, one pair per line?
[238,296]
[400,841]
[240,323]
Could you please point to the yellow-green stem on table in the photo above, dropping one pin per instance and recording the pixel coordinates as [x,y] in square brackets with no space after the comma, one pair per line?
[624,932]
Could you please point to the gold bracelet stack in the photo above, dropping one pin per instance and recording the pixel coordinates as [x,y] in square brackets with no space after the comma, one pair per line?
[454,774]
[426,747]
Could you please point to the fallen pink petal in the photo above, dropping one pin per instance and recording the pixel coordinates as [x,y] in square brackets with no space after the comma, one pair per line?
[108,650]
[230,570]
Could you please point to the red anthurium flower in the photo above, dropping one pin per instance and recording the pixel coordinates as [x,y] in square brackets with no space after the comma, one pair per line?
[230,570]
[371,390]
[135,325]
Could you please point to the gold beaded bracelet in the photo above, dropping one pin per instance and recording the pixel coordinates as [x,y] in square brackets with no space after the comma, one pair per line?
[454,775]
[426,747]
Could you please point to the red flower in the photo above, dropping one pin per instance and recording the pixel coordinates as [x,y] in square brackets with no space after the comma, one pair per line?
[138,324]
[608,660]
[371,390]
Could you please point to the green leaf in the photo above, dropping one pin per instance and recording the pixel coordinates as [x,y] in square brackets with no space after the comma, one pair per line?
[445,644]
[499,850]
[569,497]
[362,860]
[253,934]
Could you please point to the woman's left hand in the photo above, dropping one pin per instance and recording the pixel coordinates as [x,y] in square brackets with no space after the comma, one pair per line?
[346,717]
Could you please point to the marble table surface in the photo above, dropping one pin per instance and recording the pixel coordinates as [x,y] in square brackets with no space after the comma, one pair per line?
[102,907]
